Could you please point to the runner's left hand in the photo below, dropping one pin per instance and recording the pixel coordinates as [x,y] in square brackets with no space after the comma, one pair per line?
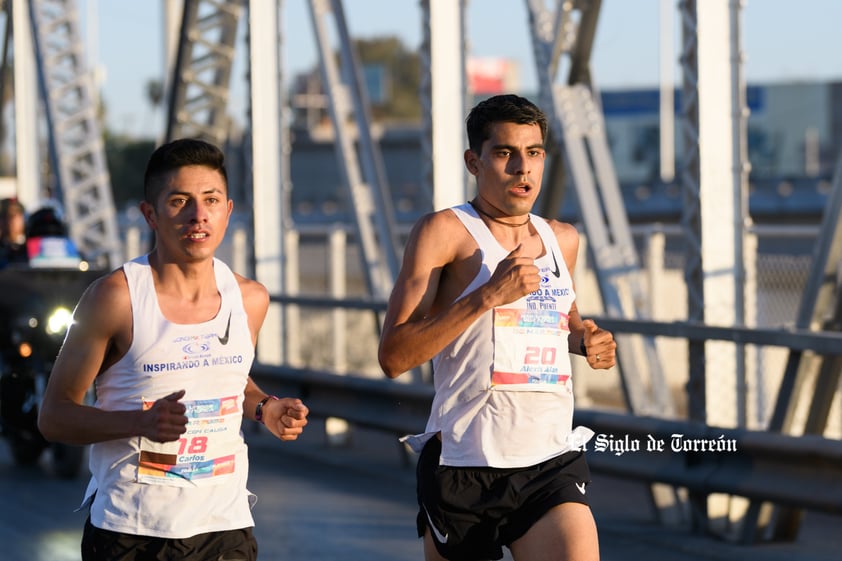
[600,346]
[285,417]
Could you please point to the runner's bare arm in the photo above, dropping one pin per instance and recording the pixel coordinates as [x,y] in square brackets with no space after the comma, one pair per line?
[419,322]
[255,302]
[285,417]
[101,332]
[597,341]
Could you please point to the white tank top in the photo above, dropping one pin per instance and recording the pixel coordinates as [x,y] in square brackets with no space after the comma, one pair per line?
[504,393]
[198,484]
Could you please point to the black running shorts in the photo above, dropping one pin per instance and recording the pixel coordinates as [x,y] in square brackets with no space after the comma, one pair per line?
[473,512]
[105,545]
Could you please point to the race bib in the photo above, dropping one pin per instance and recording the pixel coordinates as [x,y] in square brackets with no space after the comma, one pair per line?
[530,348]
[204,455]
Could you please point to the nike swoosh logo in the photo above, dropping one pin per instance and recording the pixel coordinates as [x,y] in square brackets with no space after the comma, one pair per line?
[557,272]
[441,538]
[224,338]
[580,487]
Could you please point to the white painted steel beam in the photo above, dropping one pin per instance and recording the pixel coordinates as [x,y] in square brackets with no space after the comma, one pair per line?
[26,108]
[358,155]
[77,148]
[717,203]
[447,75]
[267,168]
[576,122]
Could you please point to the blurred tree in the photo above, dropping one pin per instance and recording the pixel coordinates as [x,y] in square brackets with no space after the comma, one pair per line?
[127,159]
[401,78]
[126,156]
[154,93]
[393,77]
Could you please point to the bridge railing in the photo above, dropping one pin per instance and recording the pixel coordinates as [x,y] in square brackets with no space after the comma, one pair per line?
[795,471]
[799,471]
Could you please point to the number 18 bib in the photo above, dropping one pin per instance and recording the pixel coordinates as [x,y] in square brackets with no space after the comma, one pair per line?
[204,455]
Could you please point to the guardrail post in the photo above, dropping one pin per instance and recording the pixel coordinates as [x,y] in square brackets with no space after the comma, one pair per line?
[240,251]
[655,249]
[338,431]
[292,314]
[338,289]
[134,241]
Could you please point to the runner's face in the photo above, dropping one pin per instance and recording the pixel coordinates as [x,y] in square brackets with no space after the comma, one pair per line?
[191,213]
[14,225]
[510,167]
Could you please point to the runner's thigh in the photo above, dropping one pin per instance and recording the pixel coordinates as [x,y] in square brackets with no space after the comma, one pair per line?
[566,532]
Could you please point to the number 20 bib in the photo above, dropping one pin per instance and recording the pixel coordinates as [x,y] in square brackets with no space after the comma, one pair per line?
[530,349]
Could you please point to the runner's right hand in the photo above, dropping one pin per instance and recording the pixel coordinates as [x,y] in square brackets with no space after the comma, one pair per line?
[515,277]
[165,421]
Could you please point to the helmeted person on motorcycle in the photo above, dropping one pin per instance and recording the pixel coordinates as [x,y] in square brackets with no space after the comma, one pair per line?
[38,289]
[47,241]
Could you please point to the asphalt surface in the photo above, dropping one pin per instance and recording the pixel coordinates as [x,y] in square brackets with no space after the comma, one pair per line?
[321,501]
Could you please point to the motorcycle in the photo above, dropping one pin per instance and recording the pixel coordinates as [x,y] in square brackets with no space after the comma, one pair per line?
[36,308]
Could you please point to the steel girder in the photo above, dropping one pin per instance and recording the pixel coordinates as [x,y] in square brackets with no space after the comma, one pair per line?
[577,126]
[77,150]
[199,90]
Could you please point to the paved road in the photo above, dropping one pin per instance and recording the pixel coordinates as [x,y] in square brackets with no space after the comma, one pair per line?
[328,503]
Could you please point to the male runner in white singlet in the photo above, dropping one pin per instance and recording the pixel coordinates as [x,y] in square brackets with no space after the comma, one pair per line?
[486,293]
[168,340]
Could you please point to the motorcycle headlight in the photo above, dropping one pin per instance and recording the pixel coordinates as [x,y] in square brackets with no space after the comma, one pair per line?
[59,320]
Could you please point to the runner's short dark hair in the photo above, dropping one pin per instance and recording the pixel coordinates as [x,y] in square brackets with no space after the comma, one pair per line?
[508,108]
[178,154]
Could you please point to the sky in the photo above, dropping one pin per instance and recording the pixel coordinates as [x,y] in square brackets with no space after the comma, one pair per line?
[783,40]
